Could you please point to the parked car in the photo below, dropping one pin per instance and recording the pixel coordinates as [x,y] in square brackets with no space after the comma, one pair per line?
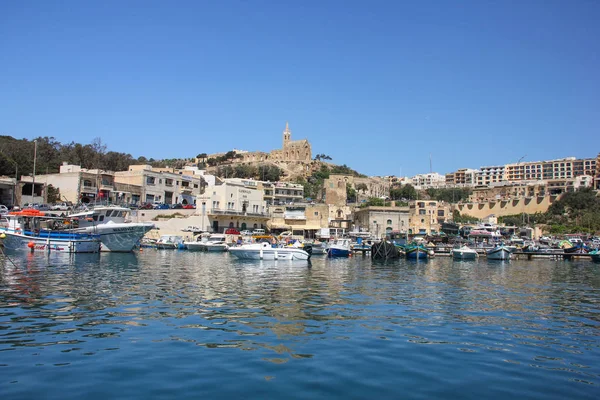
[146,206]
[60,207]
[3,209]
[162,206]
[245,233]
[42,207]
[189,206]
[176,206]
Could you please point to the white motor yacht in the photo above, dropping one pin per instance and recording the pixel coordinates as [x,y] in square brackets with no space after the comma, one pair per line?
[109,222]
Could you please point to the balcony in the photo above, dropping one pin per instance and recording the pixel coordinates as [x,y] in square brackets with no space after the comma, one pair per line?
[224,211]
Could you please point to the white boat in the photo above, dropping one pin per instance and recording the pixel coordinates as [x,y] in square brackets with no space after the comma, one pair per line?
[109,223]
[216,242]
[319,248]
[196,245]
[32,230]
[499,253]
[464,253]
[266,251]
[169,242]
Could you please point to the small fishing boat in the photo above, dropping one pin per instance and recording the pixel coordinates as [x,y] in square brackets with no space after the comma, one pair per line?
[464,253]
[595,255]
[267,251]
[416,251]
[339,248]
[499,252]
[33,230]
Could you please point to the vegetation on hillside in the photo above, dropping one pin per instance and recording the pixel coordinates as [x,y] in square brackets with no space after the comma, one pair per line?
[406,192]
[449,195]
[16,156]
[463,218]
[262,172]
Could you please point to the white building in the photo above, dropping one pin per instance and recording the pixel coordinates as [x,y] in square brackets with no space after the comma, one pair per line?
[159,185]
[234,204]
[426,181]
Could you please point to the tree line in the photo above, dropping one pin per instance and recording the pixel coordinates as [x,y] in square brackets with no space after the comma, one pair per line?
[16,156]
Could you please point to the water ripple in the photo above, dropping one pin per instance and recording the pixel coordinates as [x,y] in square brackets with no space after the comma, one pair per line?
[177,324]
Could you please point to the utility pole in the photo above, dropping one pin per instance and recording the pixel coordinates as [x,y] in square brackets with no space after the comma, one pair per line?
[34,160]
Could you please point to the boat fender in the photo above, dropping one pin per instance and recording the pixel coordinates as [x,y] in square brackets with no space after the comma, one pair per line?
[31,245]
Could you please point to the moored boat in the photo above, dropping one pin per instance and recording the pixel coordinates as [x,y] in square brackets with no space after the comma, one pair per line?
[31,230]
[595,255]
[416,252]
[266,251]
[109,223]
[169,242]
[500,252]
[464,253]
[339,248]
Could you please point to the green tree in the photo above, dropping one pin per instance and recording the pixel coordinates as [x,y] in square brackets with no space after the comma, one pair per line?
[350,193]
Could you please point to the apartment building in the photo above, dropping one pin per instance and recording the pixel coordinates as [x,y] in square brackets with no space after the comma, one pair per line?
[300,219]
[426,181]
[488,175]
[233,204]
[426,216]
[160,185]
[464,177]
[564,168]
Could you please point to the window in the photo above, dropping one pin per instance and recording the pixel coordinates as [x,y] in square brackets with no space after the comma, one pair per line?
[316,213]
[389,221]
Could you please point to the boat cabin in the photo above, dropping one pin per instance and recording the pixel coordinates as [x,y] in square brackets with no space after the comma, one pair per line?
[101,215]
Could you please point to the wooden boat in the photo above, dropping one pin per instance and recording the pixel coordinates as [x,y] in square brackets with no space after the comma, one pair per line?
[595,255]
[416,251]
[499,252]
[32,230]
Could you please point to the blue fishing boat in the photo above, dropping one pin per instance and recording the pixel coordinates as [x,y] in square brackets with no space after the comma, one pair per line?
[339,248]
[416,251]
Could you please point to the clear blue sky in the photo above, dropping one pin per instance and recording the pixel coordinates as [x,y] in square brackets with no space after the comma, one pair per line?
[377,85]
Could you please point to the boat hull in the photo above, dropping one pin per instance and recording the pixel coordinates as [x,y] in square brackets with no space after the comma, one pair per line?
[499,254]
[117,237]
[595,256]
[269,253]
[14,241]
[464,255]
[417,254]
[335,252]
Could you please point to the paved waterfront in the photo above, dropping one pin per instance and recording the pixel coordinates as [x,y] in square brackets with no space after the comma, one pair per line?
[172,324]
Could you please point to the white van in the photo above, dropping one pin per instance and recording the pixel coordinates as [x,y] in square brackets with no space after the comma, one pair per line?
[258,231]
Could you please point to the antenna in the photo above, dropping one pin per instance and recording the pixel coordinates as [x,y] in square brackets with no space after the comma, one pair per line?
[430,169]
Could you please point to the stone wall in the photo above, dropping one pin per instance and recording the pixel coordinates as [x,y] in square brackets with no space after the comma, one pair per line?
[528,205]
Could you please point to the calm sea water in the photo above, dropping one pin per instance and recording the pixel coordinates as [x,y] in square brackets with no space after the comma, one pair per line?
[173,324]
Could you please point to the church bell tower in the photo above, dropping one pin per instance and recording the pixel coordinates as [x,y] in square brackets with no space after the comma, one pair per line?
[287,135]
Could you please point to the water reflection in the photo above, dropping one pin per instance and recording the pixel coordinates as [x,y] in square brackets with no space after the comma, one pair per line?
[539,314]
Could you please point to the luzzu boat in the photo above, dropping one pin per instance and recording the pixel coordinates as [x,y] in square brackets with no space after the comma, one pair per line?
[500,252]
[416,251]
[33,230]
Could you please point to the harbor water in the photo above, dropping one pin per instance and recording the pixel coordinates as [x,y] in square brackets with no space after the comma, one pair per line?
[176,324]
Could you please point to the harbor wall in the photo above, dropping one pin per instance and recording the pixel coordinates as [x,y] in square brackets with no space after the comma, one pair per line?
[500,208]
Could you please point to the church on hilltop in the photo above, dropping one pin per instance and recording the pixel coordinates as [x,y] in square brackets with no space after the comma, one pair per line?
[298,151]
[292,150]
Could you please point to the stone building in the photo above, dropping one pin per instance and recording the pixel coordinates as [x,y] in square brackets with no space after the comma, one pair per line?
[382,220]
[291,151]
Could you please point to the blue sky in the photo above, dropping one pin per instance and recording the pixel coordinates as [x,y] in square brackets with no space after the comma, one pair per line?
[377,85]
